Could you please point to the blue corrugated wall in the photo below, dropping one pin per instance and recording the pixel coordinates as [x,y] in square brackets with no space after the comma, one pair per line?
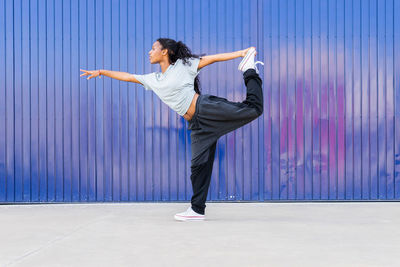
[330,128]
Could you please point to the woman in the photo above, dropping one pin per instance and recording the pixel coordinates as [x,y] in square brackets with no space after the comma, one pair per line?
[209,117]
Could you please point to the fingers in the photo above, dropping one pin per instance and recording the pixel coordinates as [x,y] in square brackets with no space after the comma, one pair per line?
[87,72]
[84,74]
[92,76]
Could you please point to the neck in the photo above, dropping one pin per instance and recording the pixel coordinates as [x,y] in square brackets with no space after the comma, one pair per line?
[164,65]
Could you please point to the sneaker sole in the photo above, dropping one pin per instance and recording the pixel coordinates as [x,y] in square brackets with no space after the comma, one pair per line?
[192,218]
[246,58]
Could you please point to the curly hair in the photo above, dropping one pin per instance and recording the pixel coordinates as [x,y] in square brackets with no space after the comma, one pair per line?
[178,50]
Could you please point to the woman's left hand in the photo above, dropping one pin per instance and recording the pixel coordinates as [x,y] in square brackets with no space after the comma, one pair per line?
[243,52]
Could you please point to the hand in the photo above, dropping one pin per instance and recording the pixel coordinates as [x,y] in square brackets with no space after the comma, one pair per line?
[244,51]
[93,73]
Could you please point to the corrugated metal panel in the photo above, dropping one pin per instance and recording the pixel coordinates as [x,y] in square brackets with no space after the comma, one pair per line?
[331,122]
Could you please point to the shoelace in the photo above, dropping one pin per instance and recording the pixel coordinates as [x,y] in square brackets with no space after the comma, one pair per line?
[257,62]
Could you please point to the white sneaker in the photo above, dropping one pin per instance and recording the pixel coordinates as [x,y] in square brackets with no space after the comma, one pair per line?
[248,61]
[189,215]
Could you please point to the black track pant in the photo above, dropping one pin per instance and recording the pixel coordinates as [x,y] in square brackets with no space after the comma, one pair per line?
[214,117]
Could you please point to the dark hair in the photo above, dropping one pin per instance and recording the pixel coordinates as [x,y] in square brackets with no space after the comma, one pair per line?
[178,50]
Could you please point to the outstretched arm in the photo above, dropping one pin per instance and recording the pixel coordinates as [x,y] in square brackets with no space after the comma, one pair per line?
[207,60]
[118,75]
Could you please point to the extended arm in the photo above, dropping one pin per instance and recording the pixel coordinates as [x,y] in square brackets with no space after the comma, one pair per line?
[207,60]
[118,75]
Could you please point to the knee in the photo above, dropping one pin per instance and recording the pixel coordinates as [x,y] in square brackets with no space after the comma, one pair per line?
[259,110]
[255,112]
[258,105]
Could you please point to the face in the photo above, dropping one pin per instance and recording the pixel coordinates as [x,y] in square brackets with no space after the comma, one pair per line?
[156,54]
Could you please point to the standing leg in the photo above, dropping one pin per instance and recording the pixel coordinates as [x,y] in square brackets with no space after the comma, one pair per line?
[201,177]
[214,117]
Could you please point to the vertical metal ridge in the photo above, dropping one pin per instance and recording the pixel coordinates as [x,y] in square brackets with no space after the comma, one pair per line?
[70,100]
[319,101]
[153,112]
[369,101]
[386,130]
[287,101]
[336,110]
[47,164]
[104,118]
[119,105]
[3,172]
[352,95]
[128,164]
[111,105]
[303,85]
[136,113]
[92,176]
[218,174]
[377,99]
[312,102]
[328,121]
[394,105]
[13,103]
[169,145]
[295,102]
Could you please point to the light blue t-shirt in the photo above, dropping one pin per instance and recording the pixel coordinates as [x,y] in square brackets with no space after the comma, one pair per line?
[175,87]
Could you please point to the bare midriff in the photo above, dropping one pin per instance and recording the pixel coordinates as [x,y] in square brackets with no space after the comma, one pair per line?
[190,112]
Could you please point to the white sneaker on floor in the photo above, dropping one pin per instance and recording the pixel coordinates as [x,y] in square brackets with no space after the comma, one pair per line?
[189,215]
[248,61]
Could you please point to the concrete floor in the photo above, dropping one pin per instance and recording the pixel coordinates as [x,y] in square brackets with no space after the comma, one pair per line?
[234,234]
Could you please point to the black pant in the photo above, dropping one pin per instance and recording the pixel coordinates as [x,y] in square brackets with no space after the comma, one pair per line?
[214,117]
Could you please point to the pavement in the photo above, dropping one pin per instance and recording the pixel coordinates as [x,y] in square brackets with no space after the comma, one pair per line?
[233,234]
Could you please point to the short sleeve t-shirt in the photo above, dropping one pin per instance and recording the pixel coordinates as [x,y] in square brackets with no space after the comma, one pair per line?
[175,87]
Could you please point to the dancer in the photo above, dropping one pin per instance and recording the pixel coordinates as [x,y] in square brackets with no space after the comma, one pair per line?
[209,117]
